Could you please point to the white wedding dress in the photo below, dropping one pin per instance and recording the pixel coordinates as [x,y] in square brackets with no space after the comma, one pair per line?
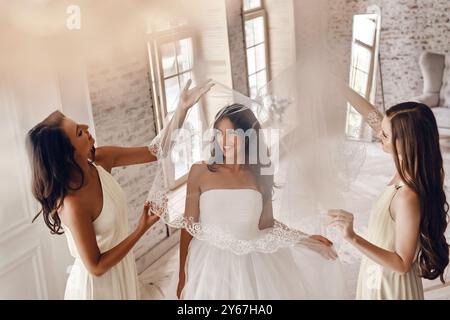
[288,273]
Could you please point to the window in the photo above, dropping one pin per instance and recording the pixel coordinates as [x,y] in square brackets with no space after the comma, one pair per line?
[251,4]
[362,75]
[171,59]
[256,41]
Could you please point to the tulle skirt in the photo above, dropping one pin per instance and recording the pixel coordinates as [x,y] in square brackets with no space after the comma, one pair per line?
[288,273]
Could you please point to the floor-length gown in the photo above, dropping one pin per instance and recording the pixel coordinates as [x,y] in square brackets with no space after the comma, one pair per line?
[111,227]
[376,282]
[288,273]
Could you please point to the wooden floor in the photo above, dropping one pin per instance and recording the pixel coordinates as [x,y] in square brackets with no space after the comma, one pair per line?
[374,175]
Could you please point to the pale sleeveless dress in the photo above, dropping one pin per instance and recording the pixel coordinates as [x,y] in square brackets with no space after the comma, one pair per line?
[111,227]
[376,282]
[217,273]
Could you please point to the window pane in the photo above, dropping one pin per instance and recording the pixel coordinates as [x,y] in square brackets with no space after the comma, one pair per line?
[254,31]
[184,77]
[364,27]
[258,29]
[179,156]
[172,91]
[361,58]
[252,85]
[251,63]
[261,79]
[194,124]
[181,163]
[190,149]
[251,4]
[360,82]
[168,59]
[261,112]
[249,33]
[354,123]
[364,30]
[184,54]
[177,64]
[170,115]
[260,52]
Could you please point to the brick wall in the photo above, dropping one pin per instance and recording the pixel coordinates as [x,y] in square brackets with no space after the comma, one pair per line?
[280,29]
[236,43]
[408,27]
[121,99]
[123,116]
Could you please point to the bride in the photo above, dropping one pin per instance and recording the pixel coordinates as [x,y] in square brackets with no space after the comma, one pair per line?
[240,230]
[232,199]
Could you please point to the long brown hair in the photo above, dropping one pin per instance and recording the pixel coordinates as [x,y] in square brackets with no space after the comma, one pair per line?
[52,158]
[414,128]
[243,118]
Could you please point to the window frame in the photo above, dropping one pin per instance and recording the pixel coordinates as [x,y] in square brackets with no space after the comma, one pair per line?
[370,74]
[156,74]
[373,50]
[248,15]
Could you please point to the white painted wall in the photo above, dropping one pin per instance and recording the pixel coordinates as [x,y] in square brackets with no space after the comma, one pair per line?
[281,30]
[33,263]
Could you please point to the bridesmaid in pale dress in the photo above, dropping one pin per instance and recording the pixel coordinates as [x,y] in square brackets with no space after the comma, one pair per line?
[405,240]
[72,182]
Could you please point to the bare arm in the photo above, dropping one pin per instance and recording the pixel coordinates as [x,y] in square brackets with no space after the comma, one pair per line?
[406,209]
[110,157]
[268,221]
[367,110]
[192,208]
[81,227]
[185,240]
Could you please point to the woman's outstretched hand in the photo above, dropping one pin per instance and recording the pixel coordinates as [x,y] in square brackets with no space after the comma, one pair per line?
[189,97]
[344,221]
[321,245]
[147,220]
[322,239]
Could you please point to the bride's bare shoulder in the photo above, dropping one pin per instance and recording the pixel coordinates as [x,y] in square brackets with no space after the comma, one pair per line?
[198,168]
[196,174]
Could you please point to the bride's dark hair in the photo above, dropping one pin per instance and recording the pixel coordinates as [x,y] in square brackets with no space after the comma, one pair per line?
[243,118]
[415,130]
[52,163]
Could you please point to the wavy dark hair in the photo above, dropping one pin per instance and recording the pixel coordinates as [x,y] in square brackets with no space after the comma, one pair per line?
[243,118]
[52,159]
[415,130]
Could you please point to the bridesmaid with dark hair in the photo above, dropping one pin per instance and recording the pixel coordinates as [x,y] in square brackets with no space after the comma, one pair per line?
[72,181]
[405,240]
